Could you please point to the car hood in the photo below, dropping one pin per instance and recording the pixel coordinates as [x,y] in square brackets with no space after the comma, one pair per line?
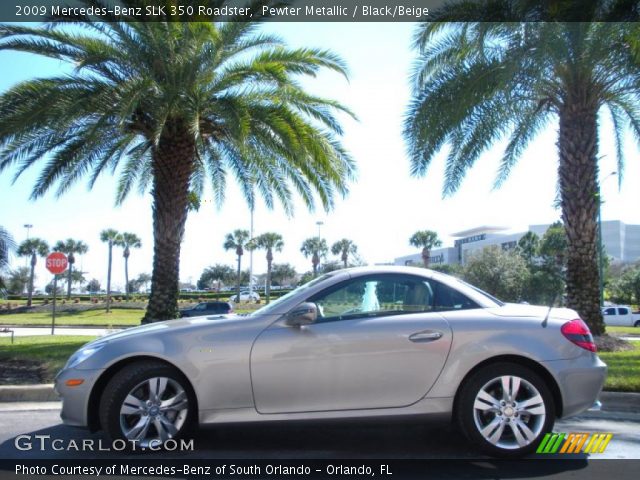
[179,324]
[521,310]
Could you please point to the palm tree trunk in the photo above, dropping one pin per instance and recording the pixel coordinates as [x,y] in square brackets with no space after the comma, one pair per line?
[31,277]
[109,277]
[345,259]
[268,299]
[239,281]
[69,281]
[578,176]
[173,162]
[426,256]
[126,277]
[315,260]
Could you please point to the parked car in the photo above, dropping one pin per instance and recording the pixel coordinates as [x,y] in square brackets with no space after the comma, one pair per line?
[353,343]
[207,308]
[621,315]
[245,296]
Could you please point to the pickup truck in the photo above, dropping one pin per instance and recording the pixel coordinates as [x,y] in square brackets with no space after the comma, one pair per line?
[621,316]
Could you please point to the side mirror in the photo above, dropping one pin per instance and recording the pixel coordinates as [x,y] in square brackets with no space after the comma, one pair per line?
[303,314]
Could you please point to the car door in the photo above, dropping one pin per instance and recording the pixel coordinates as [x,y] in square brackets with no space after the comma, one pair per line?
[624,317]
[610,317]
[377,343]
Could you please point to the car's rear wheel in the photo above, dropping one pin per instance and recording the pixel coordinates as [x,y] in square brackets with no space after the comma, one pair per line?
[505,409]
[637,324]
[147,403]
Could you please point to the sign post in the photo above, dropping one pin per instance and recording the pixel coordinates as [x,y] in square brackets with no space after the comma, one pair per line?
[56,263]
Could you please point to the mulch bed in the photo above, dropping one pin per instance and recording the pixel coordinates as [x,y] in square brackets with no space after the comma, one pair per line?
[609,343]
[21,372]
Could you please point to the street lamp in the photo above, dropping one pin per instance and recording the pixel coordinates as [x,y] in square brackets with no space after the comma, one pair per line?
[319,223]
[600,256]
[28,226]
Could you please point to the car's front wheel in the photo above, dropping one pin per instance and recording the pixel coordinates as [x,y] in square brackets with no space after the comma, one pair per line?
[505,409]
[146,404]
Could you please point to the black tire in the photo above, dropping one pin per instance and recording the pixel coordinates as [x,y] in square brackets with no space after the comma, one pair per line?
[127,379]
[637,324]
[506,419]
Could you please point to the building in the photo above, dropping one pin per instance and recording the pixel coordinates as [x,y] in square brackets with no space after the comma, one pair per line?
[620,241]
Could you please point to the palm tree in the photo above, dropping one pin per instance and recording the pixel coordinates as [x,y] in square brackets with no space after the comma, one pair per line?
[238,241]
[111,237]
[70,247]
[269,241]
[344,248]
[316,248]
[33,248]
[171,104]
[6,246]
[478,82]
[427,240]
[127,241]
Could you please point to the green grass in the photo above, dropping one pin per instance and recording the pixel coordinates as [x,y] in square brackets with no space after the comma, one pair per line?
[624,370]
[51,350]
[117,317]
[623,330]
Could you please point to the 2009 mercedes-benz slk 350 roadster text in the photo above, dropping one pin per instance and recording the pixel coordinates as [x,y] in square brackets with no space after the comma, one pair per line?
[362,342]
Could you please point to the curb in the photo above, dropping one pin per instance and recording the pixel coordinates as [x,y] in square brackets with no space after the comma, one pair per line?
[28,393]
[611,401]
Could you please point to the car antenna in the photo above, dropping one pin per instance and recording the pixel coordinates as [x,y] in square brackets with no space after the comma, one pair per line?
[546,317]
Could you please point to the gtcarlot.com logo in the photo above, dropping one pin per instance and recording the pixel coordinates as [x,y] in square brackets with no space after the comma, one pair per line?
[574,443]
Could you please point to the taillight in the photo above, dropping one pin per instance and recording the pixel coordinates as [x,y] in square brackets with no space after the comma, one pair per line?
[576,331]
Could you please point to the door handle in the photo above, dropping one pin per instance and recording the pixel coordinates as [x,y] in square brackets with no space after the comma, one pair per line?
[423,337]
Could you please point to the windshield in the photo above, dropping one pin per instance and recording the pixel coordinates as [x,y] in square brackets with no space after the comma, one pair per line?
[271,307]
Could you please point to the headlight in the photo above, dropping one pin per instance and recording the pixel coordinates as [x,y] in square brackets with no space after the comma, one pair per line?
[82,354]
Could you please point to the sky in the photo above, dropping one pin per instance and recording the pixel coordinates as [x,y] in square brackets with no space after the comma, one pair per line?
[384,207]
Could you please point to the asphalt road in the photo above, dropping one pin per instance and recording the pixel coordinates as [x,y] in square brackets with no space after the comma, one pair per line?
[400,440]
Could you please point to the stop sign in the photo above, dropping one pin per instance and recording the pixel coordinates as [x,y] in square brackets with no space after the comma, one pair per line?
[57,262]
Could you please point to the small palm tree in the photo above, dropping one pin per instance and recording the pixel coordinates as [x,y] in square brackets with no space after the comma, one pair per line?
[427,240]
[344,248]
[111,237]
[269,241]
[316,248]
[33,248]
[238,241]
[127,241]
[6,246]
[481,82]
[173,103]
[70,248]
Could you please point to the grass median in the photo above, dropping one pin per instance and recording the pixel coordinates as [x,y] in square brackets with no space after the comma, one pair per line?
[118,317]
[36,359]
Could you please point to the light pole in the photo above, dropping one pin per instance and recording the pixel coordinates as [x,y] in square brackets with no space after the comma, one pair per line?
[319,223]
[28,226]
[251,250]
[600,256]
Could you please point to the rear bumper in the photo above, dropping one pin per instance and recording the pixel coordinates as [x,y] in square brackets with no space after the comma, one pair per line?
[580,381]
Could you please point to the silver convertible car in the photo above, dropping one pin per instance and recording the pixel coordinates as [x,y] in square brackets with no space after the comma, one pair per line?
[362,342]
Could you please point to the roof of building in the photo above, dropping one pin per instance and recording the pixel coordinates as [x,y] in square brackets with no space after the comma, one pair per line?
[478,231]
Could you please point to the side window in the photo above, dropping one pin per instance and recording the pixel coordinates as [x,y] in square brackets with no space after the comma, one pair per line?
[623,311]
[447,298]
[610,311]
[201,306]
[379,295]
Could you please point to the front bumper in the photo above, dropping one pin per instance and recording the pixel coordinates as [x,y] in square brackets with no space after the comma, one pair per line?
[75,400]
[580,381]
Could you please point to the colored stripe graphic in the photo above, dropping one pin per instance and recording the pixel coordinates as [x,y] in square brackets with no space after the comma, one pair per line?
[573,443]
[550,443]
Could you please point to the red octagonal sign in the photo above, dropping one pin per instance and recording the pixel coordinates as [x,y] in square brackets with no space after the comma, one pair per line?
[57,262]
